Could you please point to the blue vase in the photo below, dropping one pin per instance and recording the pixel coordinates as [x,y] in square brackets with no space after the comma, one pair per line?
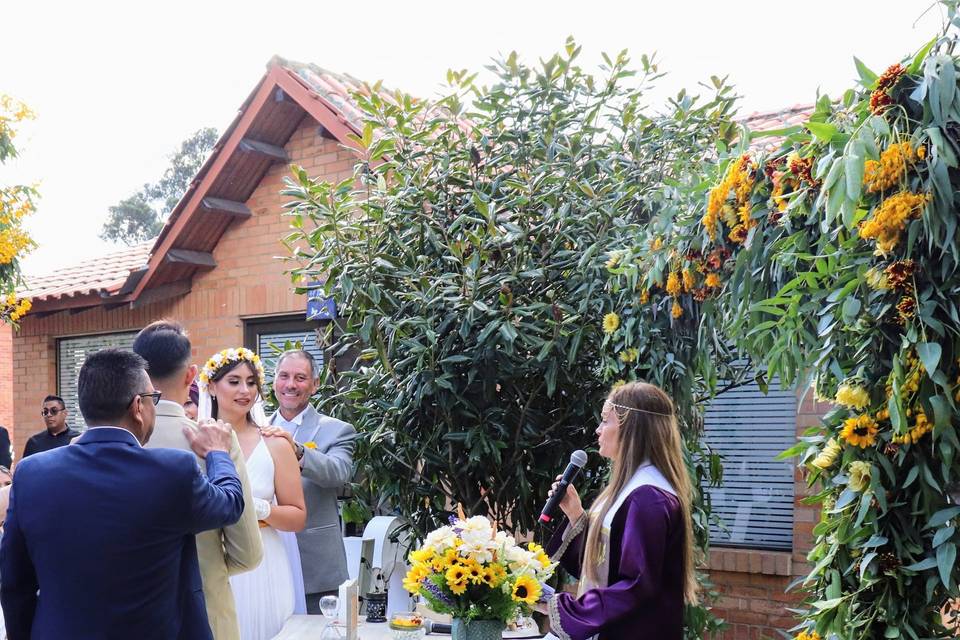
[476,629]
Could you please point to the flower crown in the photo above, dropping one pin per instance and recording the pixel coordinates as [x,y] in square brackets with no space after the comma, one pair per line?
[229,356]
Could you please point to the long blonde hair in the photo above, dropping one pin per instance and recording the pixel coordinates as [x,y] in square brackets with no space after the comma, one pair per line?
[645,437]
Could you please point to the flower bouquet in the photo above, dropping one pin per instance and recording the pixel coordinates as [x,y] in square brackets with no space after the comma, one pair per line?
[478,575]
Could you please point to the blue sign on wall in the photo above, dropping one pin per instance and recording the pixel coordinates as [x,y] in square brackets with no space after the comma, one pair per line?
[319,307]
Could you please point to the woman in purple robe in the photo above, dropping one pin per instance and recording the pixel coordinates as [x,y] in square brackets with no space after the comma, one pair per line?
[633,551]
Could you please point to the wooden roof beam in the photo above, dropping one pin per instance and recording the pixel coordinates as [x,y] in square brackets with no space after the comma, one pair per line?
[189,257]
[163,292]
[226,207]
[264,149]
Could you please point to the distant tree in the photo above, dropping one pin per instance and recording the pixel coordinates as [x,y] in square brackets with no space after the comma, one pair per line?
[140,217]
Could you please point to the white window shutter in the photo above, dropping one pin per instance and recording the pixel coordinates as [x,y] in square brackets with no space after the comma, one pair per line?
[755,501]
[71,352]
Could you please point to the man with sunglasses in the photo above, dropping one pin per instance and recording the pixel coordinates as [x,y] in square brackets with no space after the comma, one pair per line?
[57,433]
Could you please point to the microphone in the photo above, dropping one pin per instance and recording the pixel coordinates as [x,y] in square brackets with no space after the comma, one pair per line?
[436,627]
[577,459]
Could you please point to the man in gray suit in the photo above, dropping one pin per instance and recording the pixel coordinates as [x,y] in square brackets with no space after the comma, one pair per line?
[324,446]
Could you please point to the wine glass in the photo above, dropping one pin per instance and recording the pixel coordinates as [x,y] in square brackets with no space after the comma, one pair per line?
[328,607]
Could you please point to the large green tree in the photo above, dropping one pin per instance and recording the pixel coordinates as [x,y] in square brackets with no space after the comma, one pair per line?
[140,216]
[470,257]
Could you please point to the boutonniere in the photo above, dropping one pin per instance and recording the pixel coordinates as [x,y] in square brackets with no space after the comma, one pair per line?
[310,445]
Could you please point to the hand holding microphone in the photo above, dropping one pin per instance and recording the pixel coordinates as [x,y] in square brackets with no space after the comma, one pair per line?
[562,494]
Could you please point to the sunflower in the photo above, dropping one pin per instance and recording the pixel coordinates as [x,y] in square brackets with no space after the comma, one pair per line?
[526,590]
[457,575]
[611,322]
[475,572]
[414,577]
[421,556]
[860,431]
[495,575]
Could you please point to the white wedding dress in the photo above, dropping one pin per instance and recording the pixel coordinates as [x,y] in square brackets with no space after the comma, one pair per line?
[266,597]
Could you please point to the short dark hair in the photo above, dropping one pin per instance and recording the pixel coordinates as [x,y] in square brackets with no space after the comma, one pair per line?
[52,398]
[165,346]
[108,381]
[300,353]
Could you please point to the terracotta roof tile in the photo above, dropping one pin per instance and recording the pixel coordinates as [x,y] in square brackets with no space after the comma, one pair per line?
[335,88]
[105,274]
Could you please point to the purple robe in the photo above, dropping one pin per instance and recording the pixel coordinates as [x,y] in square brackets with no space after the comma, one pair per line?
[643,598]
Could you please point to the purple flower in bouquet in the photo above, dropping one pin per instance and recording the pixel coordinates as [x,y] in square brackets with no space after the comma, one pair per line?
[437,593]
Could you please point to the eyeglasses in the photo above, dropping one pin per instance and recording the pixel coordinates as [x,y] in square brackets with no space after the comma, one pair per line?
[50,412]
[149,394]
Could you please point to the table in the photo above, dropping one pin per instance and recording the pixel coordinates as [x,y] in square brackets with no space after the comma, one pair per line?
[315,628]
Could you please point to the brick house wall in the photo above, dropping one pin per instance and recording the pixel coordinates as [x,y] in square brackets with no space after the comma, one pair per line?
[752,583]
[248,282]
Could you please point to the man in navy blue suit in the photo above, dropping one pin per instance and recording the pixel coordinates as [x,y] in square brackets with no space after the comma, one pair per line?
[108,551]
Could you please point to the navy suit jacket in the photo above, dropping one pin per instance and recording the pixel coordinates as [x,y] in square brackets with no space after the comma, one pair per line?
[104,530]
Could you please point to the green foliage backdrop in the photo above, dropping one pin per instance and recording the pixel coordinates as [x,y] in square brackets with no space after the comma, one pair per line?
[471,256]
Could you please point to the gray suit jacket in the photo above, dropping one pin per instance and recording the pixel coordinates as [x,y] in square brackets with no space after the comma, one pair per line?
[325,469]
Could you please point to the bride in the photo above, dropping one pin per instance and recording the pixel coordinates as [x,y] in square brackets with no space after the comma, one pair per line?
[231,388]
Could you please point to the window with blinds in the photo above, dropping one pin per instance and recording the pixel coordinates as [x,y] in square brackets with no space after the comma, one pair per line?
[268,336]
[71,352]
[754,504]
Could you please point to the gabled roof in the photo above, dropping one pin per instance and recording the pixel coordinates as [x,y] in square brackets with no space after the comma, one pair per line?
[102,276]
[254,141]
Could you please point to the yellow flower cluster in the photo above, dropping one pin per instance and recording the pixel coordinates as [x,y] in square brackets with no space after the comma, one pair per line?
[656,244]
[629,355]
[828,456]
[737,181]
[673,284]
[14,309]
[11,112]
[890,218]
[859,476]
[14,206]
[713,280]
[645,296]
[881,175]
[472,553]
[921,427]
[688,281]
[13,243]
[808,635]
[227,356]
[853,396]
[911,383]
[676,310]
[611,322]
[859,431]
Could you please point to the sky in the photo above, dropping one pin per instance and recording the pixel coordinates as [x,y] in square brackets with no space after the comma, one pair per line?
[116,86]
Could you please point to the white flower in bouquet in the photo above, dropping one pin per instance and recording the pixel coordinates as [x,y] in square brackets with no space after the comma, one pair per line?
[441,539]
[476,527]
[521,561]
[505,540]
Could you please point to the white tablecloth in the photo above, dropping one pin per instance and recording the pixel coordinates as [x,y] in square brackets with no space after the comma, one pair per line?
[315,628]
